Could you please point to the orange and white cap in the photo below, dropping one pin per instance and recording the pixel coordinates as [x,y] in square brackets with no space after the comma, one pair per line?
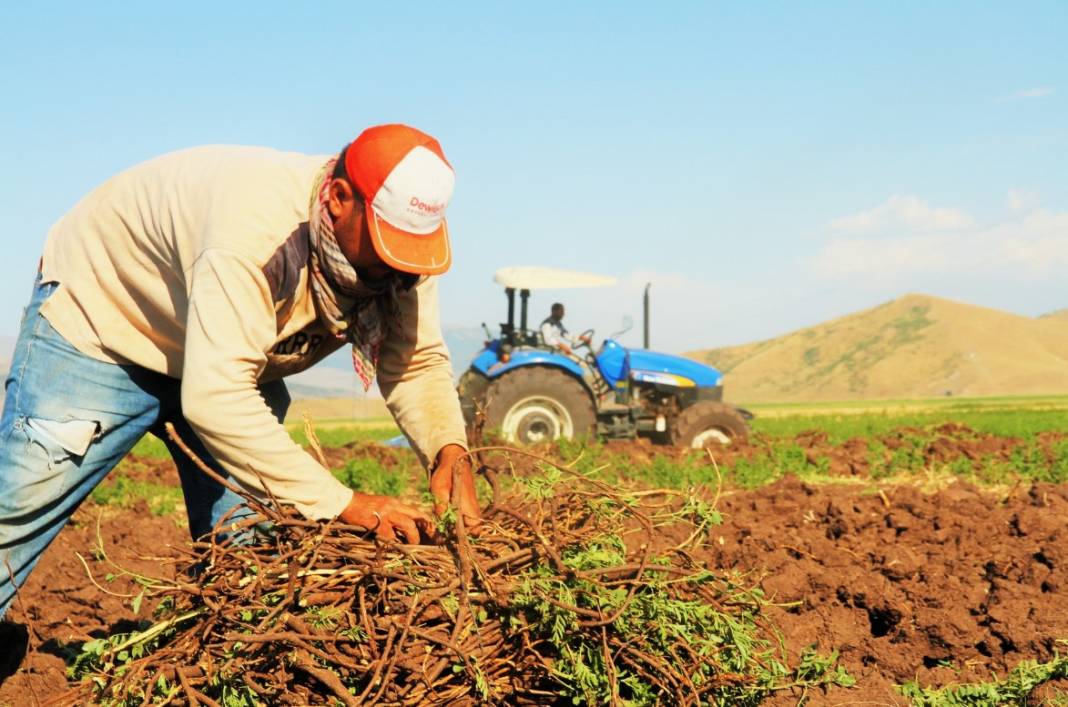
[406,183]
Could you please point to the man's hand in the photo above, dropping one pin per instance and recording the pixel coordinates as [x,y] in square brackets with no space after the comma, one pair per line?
[441,486]
[388,517]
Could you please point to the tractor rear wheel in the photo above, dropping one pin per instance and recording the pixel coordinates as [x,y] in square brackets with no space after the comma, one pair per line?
[537,404]
[708,423]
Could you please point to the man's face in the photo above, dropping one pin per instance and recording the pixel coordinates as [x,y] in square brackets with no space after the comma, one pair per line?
[353,235]
[558,312]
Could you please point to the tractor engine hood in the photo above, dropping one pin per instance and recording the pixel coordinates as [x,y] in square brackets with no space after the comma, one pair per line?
[646,365]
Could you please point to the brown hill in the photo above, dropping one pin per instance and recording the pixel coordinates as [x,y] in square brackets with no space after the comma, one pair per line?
[914,346]
[1059,314]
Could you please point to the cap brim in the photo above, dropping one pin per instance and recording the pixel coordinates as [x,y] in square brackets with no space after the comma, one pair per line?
[419,254]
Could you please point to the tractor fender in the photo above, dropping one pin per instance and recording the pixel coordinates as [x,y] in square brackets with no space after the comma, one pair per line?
[492,367]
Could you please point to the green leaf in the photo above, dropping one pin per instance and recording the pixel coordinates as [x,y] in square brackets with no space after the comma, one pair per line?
[95,647]
[136,603]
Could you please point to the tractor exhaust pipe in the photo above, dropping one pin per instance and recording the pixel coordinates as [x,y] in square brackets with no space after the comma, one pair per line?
[645,316]
[510,334]
[524,297]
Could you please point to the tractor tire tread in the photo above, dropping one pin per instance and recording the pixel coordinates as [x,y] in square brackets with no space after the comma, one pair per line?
[705,415]
[553,383]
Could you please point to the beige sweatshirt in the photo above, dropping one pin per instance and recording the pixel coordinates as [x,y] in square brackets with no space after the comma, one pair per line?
[195,265]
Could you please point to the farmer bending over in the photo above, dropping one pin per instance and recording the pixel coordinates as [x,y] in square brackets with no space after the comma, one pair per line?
[186,288]
[554,333]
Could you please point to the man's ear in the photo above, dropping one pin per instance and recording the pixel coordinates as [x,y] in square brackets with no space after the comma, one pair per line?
[339,197]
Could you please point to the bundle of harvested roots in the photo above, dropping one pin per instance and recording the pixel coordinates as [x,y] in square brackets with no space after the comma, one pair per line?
[571,593]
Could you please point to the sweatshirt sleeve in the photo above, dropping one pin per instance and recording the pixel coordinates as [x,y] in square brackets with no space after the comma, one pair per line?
[415,375]
[231,324]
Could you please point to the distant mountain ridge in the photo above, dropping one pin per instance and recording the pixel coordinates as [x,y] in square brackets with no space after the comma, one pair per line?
[914,346]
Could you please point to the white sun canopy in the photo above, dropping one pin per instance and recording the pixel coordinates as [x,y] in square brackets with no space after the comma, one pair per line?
[532,277]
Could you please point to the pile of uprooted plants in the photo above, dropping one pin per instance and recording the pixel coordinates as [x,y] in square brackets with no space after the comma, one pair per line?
[573,592]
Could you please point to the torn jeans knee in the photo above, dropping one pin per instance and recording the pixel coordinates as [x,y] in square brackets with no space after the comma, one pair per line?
[51,450]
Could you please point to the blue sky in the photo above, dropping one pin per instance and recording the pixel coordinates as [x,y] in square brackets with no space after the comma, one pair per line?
[765,165]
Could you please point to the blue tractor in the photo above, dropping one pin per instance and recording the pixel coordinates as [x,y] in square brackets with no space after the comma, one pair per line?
[532,392]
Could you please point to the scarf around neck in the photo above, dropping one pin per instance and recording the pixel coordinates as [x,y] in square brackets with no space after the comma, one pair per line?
[352,309]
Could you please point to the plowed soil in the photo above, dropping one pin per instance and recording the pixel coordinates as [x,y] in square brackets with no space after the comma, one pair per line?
[61,605]
[949,586]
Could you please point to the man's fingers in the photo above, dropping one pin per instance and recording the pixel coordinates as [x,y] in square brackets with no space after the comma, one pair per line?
[408,529]
[466,500]
[429,532]
[384,532]
[441,487]
[419,516]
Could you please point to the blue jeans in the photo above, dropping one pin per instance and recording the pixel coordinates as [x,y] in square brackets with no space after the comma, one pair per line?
[68,419]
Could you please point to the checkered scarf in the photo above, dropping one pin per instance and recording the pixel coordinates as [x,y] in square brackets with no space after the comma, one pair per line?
[353,310]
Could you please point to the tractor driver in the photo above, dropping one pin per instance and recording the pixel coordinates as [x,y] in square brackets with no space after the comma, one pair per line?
[187,287]
[555,334]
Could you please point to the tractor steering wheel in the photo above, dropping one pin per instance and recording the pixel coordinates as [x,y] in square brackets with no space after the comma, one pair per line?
[585,339]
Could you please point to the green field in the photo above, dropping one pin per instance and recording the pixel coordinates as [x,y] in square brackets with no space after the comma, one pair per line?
[777,426]
[1010,416]
[895,437]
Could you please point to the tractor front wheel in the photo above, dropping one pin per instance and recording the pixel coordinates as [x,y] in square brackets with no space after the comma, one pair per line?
[708,423]
[536,404]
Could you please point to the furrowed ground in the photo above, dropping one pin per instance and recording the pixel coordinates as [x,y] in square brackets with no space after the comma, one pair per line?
[922,541]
